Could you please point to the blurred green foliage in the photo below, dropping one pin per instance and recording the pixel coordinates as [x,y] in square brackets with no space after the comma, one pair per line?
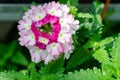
[12,54]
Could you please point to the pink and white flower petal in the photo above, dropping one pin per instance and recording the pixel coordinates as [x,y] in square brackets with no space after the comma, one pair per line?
[65,8]
[27,39]
[21,41]
[24,25]
[38,16]
[65,28]
[48,58]
[66,19]
[68,49]
[74,26]
[54,49]
[35,53]
[54,8]
[64,38]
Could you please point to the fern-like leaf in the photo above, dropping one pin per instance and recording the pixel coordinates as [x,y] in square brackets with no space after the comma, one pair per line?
[79,56]
[116,51]
[115,58]
[50,77]
[102,56]
[55,67]
[32,70]
[89,74]
[97,7]
[105,41]
[12,75]
[85,15]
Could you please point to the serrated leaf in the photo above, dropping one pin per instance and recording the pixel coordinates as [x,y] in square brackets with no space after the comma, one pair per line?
[79,56]
[32,70]
[98,6]
[105,41]
[89,74]
[85,15]
[116,49]
[50,77]
[73,10]
[12,75]
[112,68]
[55,67]
[102,56]
[116,52]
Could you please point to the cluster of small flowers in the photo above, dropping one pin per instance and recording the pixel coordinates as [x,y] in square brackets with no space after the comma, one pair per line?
[47,31]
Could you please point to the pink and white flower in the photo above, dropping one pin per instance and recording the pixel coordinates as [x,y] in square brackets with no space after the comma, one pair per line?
[47,31]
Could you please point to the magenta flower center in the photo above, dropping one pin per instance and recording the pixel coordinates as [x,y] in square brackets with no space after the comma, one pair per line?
[46,29]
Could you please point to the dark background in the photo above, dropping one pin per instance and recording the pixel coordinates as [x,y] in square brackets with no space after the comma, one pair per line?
[43,1]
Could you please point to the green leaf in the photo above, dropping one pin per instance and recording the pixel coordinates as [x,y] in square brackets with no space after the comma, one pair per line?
[11,50]
[85,15]
[116,51]
[33,3]
[115,54]
[97,7]
[20,59]
[50,77]
[8,53]
[25,8]
[98,21]
[32,70]
[69,2]
[73,10]
[93,41]
[75,42]
[63,1]
[102,56]
[89,74]
[105,41]
[3,50]
[12,75]
[74,2]
[79,56]
[55,67]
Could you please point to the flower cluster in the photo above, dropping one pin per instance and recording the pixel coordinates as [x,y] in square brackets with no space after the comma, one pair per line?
[47,31]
